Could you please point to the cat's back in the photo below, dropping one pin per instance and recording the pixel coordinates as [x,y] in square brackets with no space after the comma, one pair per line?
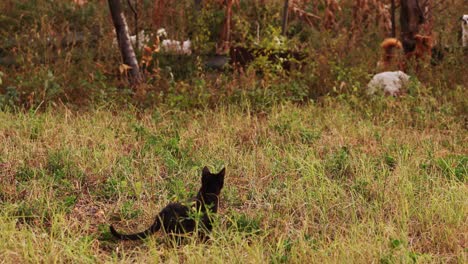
[175,218]
[176,208]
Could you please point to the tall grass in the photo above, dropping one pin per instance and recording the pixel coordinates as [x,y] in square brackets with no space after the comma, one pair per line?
[371,181]
[316,170]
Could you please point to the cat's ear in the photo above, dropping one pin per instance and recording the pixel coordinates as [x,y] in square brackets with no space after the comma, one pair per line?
[205,176]
[205,171]
[221,175]
[222,172]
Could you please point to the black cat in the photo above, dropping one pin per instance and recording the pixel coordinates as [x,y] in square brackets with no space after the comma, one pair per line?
[175,219]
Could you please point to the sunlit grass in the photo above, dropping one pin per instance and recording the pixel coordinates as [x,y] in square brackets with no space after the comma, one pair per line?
[380,181]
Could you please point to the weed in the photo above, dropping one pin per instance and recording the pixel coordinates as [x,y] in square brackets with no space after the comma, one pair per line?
[454,167]
[25,174]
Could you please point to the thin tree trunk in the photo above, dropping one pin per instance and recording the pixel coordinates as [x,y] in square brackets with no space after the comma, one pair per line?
[411,17]
[123,38]
[392,10]
[285,17]
[134,8]
[198,4]
[225,36]
[228,21]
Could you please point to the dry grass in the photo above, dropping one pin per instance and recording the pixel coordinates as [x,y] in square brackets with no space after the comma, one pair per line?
[335,182]
[342,179]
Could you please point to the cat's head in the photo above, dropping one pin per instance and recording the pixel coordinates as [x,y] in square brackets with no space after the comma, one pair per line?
[212,182]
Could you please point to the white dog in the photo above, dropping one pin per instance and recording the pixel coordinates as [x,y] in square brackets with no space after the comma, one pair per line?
[390,82]
[142,39]
[464,19]
[175,46]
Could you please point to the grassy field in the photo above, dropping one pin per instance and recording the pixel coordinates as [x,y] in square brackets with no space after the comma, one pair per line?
[348,181]
[316,170]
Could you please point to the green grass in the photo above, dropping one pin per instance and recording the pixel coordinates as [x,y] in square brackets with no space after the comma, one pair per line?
[316,170]
[347,181]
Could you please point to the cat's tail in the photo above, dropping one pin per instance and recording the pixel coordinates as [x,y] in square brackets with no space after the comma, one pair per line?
[153,228]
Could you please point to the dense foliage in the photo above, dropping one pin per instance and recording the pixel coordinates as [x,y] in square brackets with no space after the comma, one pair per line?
[59,52]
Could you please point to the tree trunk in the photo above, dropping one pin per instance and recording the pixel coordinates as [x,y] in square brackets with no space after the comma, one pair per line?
[198,4]
[134,8]
[411,17]
[228,21]
[285,17]
[392,10]
[123,38]
[225,36]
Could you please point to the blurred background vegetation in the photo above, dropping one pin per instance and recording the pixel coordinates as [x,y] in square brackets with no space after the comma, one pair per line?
[60,52]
